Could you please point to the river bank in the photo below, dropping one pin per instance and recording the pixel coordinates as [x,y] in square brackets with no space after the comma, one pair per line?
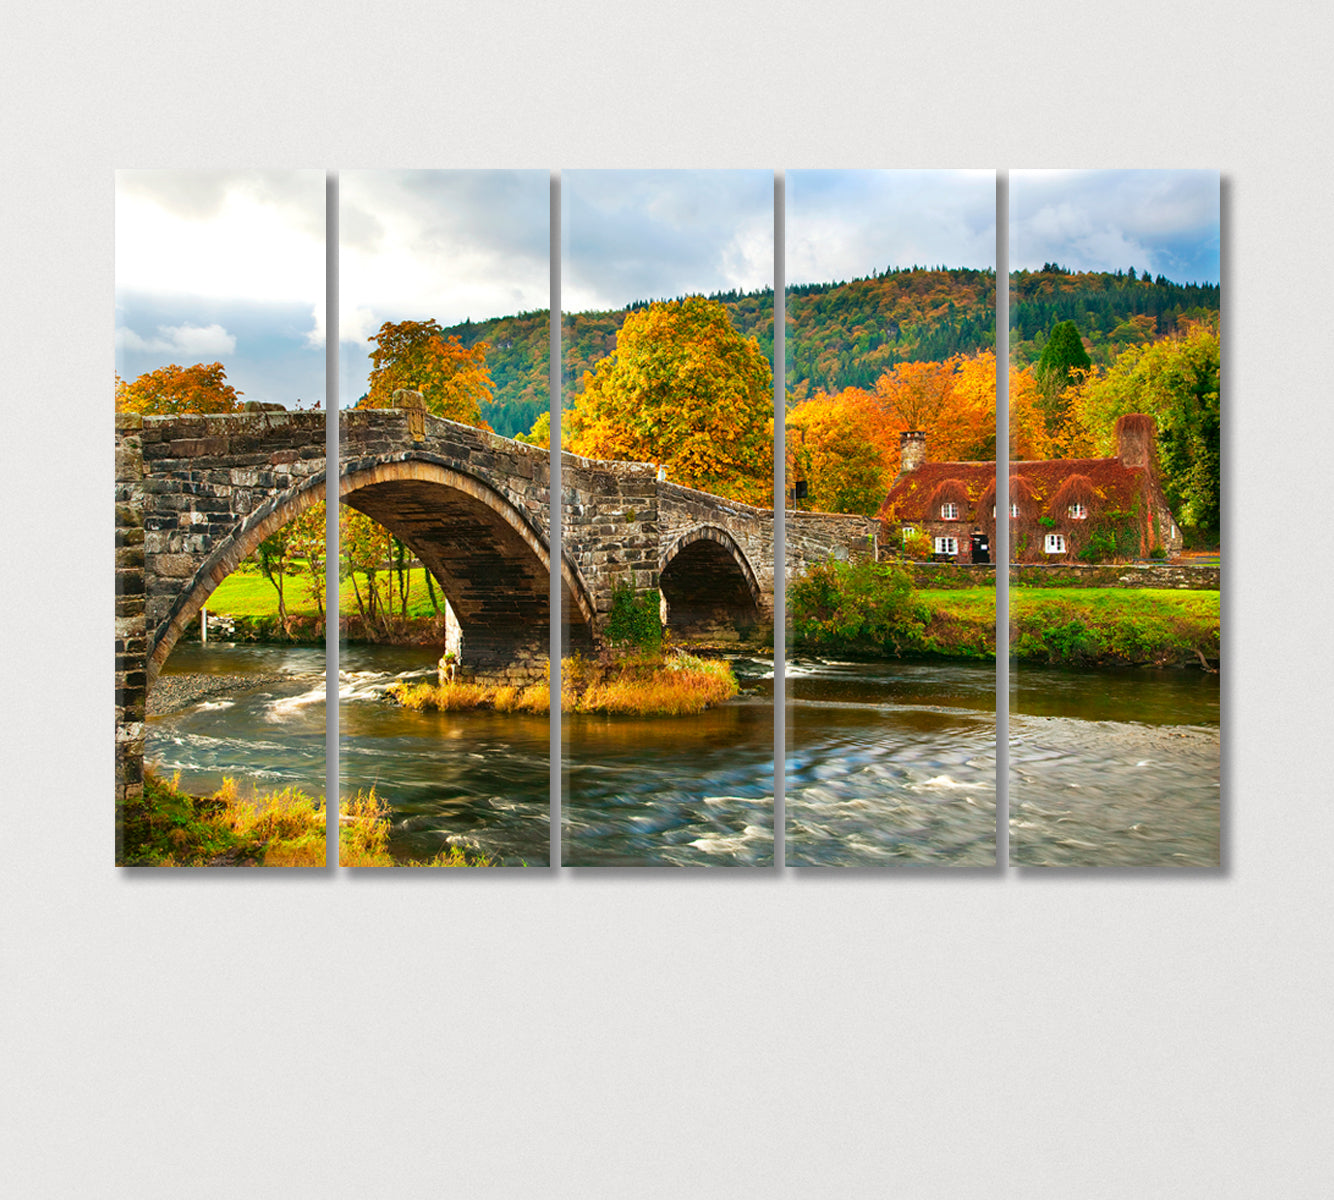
[871,612]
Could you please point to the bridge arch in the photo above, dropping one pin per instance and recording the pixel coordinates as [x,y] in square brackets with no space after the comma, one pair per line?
[225,557]
[708,585]
[491,559]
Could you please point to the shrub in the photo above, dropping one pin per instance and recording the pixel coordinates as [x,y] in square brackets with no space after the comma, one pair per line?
[166,827]
[868,606]
[635,621]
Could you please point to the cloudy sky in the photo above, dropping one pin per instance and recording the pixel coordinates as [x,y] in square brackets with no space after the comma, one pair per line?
[843,225]
[1166,222]
[448,245]
[223,266]
[654,235]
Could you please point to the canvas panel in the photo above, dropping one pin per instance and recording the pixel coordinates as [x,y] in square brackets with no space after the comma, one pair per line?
[667,518]
[444,555]
[220,447]
[890,433]
[1114,499]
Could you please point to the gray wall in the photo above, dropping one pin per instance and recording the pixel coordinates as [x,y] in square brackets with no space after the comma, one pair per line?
[653,1034]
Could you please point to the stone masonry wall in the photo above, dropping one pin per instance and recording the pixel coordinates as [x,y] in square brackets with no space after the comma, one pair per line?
[203,477]
[1102,575]
[811,538]
[131,630]
[1111,575]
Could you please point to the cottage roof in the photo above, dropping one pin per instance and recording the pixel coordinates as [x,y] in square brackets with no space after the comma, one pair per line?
[913,492]
[912,496]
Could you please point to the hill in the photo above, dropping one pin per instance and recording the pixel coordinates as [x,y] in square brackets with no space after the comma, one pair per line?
[1114,310]
[848,333]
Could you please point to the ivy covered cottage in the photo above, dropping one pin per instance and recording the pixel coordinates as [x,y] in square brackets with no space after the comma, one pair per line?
[1061,510]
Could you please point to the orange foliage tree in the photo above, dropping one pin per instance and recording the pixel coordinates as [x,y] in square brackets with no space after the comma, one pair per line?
[952,402]
[416,355]
[829,445]
[683,389]
[198,389]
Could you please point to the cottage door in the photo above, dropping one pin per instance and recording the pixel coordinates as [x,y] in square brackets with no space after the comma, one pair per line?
[981,548]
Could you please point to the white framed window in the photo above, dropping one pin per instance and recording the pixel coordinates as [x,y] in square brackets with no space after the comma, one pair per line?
[949,511]
[1055,543]
[909,531]
[1078,512]
[1014,510]
[947,545]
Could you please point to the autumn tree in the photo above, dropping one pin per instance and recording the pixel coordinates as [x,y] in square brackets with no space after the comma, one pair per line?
[540,433]
[417,355]
[307,544]
[915,393]
[1029,439]
[685,390]
[828,446]
[275,555]
[1176,381]
[172,389]
[363,546]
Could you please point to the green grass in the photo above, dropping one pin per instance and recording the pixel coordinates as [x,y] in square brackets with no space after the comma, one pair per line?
[1067,626]
[1113,626]
[246,593]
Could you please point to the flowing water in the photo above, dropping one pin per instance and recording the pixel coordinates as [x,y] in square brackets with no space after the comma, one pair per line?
[673,791]
[253,713]
[478,780]
[887,763]
[890,763]
[1114,768]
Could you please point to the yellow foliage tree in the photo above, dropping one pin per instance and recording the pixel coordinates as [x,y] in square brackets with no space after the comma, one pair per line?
[540,433]
[830,445]
[198,389]
[685,390]
[416,355]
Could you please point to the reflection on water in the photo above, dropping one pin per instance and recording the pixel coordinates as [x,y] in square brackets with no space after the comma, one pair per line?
[1115,768]
[478,780]
[254,714]
[673,791]
[890,763]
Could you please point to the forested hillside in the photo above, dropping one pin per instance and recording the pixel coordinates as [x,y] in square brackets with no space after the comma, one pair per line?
[848,334]
[1112,310]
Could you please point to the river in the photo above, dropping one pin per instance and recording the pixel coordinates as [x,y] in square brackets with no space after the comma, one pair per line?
[1114,768]
[887,763]
[890,763]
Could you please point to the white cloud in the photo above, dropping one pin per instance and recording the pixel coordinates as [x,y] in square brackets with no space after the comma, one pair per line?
[846,224]
[193,342]
[1162,221]
[448,245]
[223,235]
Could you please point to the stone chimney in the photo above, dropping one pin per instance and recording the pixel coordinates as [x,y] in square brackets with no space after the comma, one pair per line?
[912,450]
[1137,441]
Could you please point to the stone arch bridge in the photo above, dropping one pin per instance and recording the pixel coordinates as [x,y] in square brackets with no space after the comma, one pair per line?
[195,495]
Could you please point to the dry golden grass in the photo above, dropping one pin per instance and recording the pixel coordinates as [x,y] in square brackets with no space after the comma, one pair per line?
[642,686]
[677,686]
[363,838]
[169,828]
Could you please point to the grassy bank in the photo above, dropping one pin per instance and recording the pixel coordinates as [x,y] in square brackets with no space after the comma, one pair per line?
[166,827]
[631,685]
[252,601]
[872,611]
[1113,626]
[363,838]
